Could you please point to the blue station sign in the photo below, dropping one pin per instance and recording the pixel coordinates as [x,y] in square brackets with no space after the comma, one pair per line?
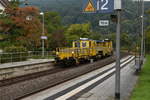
[98,6]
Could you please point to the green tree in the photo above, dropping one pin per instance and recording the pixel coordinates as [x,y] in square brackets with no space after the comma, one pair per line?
[52,21]
[96,36]
[57,39]
[147,39]
[22,26]
[14,3]
[76,31]
[128,42]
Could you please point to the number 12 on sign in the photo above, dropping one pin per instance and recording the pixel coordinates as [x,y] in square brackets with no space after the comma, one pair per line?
[99,6]
[105,6]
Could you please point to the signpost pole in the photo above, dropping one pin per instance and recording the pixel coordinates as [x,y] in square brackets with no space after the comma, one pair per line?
[117,6]
[117,87]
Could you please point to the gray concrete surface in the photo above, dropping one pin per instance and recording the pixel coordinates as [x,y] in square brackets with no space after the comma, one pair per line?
[103,91]
[23,63]
[20,89]
[10,70]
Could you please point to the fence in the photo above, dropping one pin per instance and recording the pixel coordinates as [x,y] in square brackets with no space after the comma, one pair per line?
[23,56]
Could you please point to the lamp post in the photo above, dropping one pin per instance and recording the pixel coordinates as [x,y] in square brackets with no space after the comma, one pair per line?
[42,34]
[142,33]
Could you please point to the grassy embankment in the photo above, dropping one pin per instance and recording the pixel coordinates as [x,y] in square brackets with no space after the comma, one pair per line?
[142,89]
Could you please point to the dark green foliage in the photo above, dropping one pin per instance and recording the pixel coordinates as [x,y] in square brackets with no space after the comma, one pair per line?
[14,49]
[147,31]
[52,21]
[14,3]
[147,40]
[57,39]
[77,31]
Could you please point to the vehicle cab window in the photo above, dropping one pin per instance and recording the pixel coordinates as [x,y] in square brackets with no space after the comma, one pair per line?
[77,44]
[84,44]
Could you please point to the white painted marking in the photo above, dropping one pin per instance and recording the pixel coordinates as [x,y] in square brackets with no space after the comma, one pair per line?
[80,88]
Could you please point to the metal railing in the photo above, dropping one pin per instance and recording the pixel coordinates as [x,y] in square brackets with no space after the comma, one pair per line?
[24,56]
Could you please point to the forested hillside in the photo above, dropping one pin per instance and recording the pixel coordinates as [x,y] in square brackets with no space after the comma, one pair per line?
[71,12]
[64,22]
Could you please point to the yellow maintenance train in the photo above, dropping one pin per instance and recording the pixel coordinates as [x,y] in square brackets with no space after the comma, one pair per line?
[83,50]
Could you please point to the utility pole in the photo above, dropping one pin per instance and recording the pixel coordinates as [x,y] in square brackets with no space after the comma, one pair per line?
[142,32]
[138,34]
[117,81]
[117,92]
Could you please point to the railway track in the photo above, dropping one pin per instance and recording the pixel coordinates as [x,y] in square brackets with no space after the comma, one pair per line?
[77,90]
[58,70]
[15,80]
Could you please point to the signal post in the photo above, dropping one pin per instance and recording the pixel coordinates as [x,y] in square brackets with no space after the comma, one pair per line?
[117,81]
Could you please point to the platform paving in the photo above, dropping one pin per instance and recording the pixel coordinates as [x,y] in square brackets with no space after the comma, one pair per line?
[105,90]
[102,91]
[23,63]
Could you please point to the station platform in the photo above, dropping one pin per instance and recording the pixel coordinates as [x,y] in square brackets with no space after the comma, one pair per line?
[96,85]
[23,63]
[15,69]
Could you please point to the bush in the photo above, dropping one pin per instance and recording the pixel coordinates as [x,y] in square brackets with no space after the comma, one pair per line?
[14,54]
[14,49]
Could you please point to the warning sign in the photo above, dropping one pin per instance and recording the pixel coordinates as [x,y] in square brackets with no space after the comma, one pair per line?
[98,6]
[89,7]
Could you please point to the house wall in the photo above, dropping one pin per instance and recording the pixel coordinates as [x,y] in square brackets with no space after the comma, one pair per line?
[2,7]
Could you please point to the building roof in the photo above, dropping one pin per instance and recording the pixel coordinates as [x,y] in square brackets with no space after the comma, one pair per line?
[4,3]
